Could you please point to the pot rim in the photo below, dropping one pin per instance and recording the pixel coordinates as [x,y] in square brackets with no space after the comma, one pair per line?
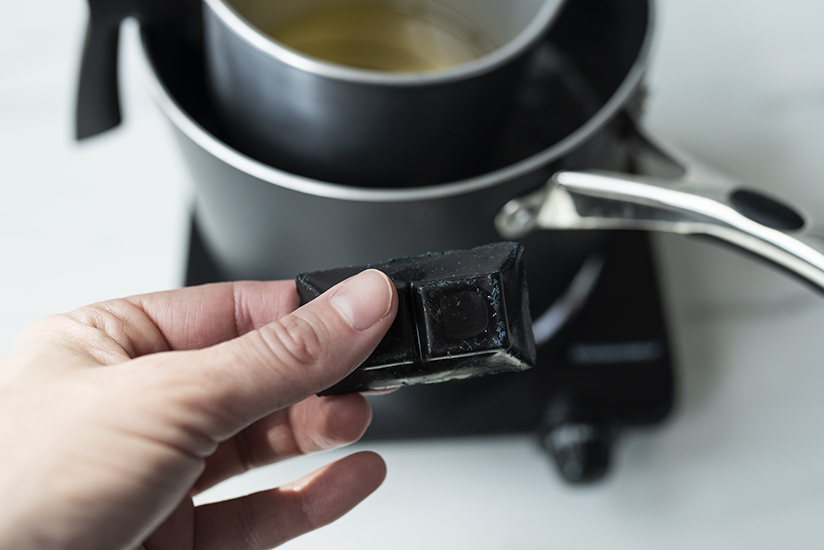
[227,15]
[213,145]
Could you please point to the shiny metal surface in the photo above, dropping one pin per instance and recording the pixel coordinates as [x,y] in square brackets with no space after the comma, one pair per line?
[264,222]
[513,26]
[625,52]
[361,127]
[547,325]
[699,201]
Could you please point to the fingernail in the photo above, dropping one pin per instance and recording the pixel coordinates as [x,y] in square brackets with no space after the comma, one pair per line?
[364,299]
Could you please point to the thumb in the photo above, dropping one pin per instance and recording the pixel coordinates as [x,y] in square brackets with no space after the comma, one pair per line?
[232,384]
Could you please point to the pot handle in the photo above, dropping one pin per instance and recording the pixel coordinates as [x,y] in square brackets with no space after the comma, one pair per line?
[672,193]
[98,102]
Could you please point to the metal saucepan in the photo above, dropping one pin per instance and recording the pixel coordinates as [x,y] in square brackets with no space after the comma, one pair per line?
[696,201]
[261,222]
[369,127]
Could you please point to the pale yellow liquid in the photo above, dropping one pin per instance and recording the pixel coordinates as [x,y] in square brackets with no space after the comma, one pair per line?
[383,36]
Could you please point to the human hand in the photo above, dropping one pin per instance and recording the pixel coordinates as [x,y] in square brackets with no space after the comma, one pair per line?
[114,415]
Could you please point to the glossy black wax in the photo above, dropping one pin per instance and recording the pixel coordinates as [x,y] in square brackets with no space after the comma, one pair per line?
[461,314]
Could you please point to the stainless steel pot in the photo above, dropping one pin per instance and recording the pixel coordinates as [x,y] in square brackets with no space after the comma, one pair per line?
[261,222]
[366,127]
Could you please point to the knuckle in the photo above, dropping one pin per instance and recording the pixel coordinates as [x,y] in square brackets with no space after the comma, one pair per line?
[98,330]
[247,521]
[296,340]
[306,513]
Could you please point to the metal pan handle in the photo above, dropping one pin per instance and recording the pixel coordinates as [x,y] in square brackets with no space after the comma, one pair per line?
[673,193]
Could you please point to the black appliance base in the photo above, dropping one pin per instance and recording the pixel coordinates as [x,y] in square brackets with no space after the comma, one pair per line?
[608,368]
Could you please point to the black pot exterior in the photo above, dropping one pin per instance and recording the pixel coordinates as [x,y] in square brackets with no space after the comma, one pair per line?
[348,131]
[263,223]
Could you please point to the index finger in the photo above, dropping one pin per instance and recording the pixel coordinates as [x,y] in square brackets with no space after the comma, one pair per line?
[202,316]
[187,318]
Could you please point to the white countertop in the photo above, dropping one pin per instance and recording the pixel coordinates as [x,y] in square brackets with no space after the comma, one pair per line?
[740,464]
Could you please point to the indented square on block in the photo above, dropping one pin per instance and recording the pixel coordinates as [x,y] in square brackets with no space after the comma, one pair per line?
[461,314]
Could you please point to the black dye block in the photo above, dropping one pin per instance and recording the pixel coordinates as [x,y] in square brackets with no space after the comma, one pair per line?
[461,314]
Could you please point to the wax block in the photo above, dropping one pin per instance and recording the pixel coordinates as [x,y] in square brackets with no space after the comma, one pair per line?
[461,314]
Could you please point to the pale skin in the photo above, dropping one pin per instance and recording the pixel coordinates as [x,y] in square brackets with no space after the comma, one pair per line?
[114,415]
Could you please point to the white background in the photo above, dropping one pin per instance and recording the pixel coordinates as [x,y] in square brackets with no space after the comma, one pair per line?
[740,464]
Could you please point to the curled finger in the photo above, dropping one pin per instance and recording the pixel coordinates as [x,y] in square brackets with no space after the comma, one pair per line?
[267,519]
